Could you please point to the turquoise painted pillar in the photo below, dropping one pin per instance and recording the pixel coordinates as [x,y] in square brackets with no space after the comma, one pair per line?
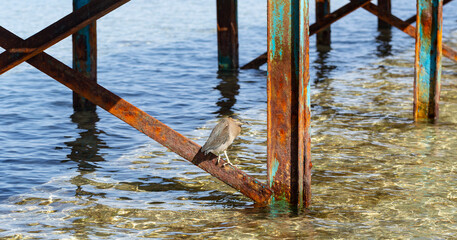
[323,38]
[84,57]
[385,8]
[227,35]
[427,76]
[288,107]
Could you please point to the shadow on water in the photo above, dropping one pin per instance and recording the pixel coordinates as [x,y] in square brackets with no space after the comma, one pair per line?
[229,89]
[383,40]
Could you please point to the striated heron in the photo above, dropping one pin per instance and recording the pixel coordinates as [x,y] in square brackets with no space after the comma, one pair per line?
[222,137]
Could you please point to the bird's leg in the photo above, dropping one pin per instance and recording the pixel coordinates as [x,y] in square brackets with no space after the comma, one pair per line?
[218,159]
[228,160]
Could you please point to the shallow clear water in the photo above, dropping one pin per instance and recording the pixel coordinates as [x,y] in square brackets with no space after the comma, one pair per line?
[376,174]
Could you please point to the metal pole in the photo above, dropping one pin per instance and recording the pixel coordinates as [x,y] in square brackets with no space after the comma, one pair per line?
[428,59]
[288,162]
[84,57]
[323,38]
[385,8]
[227,35]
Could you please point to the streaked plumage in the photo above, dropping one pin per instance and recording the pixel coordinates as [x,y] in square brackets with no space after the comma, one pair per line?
[222,137]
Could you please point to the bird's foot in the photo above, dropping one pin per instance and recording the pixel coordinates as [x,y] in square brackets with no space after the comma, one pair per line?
[228,160]
[227,163]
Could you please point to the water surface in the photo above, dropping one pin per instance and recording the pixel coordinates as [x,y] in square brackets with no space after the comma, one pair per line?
[376,174]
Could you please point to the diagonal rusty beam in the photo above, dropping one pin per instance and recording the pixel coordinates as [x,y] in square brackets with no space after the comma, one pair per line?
[315,28]
[143,122]
[56,32]
[406,28]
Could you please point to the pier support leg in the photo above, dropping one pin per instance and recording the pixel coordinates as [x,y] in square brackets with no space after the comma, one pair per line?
[428,59]
[289,162]
[84,57]
[227,35]
[385,8]
[323,38]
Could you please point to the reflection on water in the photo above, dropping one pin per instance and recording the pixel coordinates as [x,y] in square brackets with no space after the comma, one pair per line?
[383,40]
[85,149]
[229,89]
[375,173]
[322,65]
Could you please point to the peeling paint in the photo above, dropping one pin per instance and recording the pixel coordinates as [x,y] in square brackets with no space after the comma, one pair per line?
[288,84]
[428,59]
[274,168]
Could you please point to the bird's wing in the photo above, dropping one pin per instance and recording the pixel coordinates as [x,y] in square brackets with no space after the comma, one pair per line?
[218,137]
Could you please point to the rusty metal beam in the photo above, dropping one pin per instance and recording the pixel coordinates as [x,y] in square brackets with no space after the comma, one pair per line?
[84,57]
[227,35]
[323,9]
[385,8]
[143,122]
[288,161]
[315,28]
[56,32]
[427,78]
[304,109]
[407,28]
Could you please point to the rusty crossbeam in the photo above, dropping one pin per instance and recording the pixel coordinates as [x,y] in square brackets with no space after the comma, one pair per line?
[315,28]
[140,120]
[406,28]
[56,32]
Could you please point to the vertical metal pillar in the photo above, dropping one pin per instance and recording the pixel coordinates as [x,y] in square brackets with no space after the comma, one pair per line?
[427,76]
[289,160]
[385,8]
[323,38]
[227,35]
[84,57]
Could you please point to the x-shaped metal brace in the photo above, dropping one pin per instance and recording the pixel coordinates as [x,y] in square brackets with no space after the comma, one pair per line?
[31,50]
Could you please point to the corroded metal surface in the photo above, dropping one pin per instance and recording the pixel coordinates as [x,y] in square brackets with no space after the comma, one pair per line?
[407,28]
[84,57]
[288,101]
[143,122]
[227,34]
[385,8]
[323,9]
[315,28]
[414,18]
[56,32]
[429,48]
[427,78]
[304,110]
